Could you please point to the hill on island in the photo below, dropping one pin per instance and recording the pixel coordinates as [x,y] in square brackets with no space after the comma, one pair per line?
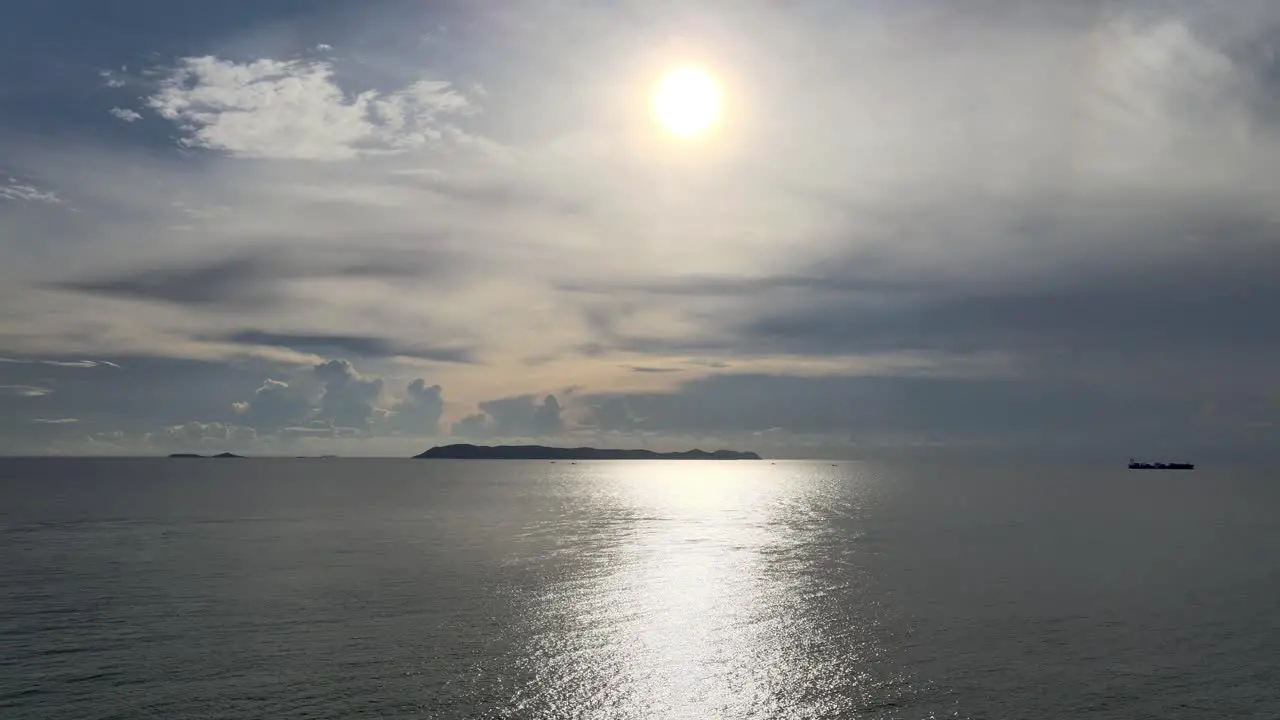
[541,452]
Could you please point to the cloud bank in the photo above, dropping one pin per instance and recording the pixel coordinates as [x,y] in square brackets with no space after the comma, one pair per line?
[1053,229]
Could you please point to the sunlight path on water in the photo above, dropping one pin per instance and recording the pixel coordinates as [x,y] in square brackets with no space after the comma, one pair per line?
[709,602]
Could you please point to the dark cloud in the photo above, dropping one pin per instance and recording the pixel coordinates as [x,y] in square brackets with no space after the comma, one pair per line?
[137,394]
[242,281]
[420,411]
[476,425]
[547,419]
[703,286]
[1111,291]
[362,346]
[246,280]
[328,395]
[513,417]
[348,398]
[276,404]
[334,399]
[611,414]
[653,370]
[1007,417]
[1206,305]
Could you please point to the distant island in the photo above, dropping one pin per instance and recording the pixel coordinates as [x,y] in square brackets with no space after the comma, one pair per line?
[206,457]
[541,452]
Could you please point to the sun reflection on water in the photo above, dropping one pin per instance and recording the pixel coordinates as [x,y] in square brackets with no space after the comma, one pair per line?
[707,600]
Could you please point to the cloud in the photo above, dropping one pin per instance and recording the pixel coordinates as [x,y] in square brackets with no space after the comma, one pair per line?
[125,114]
[239,281]
[275,405]
[873,416]
[313,431]
[611,414]
[419,412]
[198,436]
[246,279]
[61,363]
[23,192]
[293,109]
[363,346]
[1069,195]
[513,417]
[24,391]
[55,421]
[476,425]
[348,399]
[139,394]
[333,396]
[112,79]
[1157,307]
[500,193]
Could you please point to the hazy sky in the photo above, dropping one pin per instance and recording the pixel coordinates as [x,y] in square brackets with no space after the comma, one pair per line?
[368,226]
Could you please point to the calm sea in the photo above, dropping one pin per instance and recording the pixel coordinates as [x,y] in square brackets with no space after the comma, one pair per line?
[257,589]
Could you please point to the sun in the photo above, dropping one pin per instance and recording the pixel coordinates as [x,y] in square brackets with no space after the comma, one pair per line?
[687,102]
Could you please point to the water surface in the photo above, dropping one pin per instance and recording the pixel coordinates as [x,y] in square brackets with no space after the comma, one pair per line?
[490,589]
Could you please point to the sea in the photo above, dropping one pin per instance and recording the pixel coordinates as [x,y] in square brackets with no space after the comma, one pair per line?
[348,588]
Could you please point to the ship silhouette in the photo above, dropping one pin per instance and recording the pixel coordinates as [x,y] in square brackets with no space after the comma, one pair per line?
[1135,465]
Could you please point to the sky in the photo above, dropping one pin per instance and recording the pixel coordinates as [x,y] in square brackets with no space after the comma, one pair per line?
[918,228]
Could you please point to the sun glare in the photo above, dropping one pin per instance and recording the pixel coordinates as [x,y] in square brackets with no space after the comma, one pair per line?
[686,102]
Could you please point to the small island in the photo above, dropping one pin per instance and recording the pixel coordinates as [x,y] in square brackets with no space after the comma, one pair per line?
[205,457]
[541,452]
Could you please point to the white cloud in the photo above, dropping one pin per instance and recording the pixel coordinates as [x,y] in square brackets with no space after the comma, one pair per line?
[126,114]
[295,110]
[111,79]
[19,191]
[200,435]
[62,363]
[24,391]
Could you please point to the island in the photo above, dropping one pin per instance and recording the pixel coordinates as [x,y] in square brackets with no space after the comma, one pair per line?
[541,452]
[205,457]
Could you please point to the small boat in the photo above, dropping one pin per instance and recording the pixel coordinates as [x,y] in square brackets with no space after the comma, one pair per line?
[1135,465]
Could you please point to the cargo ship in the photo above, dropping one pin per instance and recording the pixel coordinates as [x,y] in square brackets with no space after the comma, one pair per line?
[1135,465]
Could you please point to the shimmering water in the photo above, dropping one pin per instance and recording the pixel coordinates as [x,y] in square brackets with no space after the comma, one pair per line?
[646,590]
